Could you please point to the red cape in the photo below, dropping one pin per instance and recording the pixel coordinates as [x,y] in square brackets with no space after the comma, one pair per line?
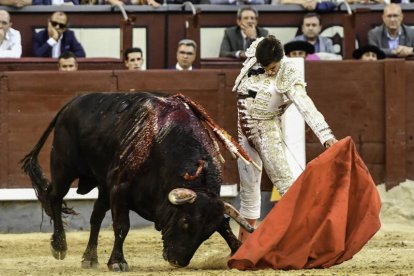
[327,216]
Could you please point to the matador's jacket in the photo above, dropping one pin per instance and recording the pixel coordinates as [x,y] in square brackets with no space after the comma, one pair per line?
[262,100]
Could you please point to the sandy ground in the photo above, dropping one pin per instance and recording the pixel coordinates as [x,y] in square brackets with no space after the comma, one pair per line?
[390,251]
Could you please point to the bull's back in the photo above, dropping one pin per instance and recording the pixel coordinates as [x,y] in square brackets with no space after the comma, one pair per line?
[90,129]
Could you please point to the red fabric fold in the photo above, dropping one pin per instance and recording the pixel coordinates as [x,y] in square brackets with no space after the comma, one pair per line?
[326,217]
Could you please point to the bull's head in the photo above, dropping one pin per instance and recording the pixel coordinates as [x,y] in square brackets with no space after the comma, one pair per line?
[192,220]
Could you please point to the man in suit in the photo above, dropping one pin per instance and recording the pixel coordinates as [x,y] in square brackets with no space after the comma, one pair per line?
[238,38]
[56,39]
[311,28]
[393,38]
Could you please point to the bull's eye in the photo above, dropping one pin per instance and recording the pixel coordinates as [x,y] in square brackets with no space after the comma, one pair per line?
[184,223]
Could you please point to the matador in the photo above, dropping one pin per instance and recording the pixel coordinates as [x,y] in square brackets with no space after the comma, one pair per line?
[263,96]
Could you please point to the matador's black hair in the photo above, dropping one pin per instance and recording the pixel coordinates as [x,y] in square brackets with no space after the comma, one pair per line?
[269,50]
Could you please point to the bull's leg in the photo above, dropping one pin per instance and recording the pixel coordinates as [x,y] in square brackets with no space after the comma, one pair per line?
[120,218]
[62,177]
[226,232]
[58,239]
[101,206]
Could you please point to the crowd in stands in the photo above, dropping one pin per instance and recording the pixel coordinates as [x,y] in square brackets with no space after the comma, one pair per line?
[390,39]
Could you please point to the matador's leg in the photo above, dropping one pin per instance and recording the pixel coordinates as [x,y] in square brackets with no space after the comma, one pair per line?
[268,142]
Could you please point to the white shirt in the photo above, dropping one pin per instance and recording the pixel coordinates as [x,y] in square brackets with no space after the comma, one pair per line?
[11,47]
[55,46]
[179,68]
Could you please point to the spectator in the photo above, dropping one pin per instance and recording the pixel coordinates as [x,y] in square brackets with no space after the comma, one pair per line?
[56,38]
[55,2]
[15,3]
[151,3]
[311,28]
[67,62]
[133,58]
[186,54]
[238,38]
[301,49]
[368,52]
[10,39]
[238,2]
[392,37]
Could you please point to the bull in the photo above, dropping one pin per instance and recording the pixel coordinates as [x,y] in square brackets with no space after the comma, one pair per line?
[144,152]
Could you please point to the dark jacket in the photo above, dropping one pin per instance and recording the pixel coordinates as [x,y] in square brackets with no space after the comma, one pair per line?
[233,40]
[41,48]
[378,37]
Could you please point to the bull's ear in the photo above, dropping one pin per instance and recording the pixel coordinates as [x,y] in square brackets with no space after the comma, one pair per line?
[181,196]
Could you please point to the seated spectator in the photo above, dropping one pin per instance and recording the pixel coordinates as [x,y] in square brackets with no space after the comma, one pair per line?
[151,3]
[186,54]
[55,2]
[238,38]
[301,49]
[56,38]
[311,28]
[133,58]
[16,3]
[238,2]
[368,52]
[67,62]
[23,3]
[10,39]
[392,37]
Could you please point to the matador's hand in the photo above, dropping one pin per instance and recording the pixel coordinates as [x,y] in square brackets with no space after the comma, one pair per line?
[330,142]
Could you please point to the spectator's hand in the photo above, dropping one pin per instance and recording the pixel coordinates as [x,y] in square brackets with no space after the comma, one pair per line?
[403,51]
[242,55]
[153,3]
[115,2]
[53,33]
[20,3]
[249,31]
[309,5]
[330,142]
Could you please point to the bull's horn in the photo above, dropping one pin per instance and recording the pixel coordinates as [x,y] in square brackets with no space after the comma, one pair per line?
[234,214]
[181,196]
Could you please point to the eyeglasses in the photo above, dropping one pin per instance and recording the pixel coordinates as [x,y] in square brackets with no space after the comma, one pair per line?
[4,22]
[55,24]
[186,53]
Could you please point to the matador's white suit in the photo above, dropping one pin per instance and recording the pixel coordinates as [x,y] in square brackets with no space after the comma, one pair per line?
[262,100]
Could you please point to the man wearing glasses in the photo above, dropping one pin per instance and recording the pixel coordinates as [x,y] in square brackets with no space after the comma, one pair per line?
[10,39]
[56,39]
[186,54]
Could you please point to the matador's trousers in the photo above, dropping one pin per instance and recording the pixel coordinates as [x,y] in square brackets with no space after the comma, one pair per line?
[266,149]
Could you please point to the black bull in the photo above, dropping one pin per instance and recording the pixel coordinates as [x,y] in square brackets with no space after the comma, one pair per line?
[146,153]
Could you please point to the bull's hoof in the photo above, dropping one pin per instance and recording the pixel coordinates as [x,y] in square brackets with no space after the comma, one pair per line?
[89,264]
[58,254]
[119,267]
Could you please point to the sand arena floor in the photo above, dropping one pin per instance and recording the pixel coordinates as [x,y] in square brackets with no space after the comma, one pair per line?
[390,251]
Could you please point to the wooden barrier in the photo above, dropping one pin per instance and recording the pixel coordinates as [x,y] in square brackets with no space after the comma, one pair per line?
[369,101]
[42,64]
